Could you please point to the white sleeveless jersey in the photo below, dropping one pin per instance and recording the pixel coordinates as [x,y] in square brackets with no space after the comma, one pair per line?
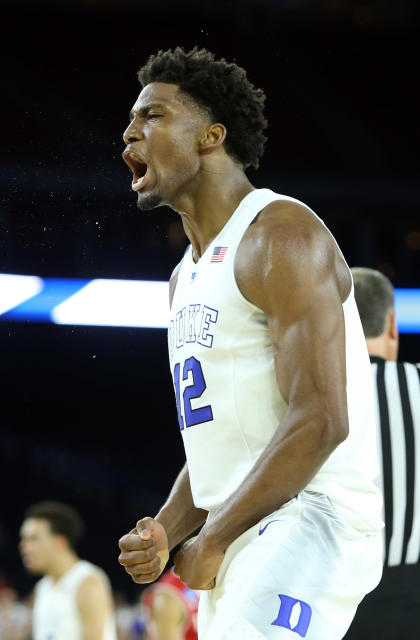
[56,615]
[228,402]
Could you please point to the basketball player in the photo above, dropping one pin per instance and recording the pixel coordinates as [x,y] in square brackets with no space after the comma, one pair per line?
[73,600]
[169,609]
[271,375]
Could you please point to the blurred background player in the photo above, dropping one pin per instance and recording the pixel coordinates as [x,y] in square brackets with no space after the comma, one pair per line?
[130,624]
[169,609]
[73,600]
[15,616]
[392,610]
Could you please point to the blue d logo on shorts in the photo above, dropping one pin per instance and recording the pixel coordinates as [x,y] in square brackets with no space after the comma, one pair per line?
[290,609]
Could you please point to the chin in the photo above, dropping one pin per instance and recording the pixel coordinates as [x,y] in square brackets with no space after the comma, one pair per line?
[34,570]
[145,202]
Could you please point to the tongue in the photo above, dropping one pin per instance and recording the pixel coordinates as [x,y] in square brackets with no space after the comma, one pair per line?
[140,182]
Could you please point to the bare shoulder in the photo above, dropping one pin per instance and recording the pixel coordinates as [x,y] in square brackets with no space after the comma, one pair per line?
[94,588]
[289,247]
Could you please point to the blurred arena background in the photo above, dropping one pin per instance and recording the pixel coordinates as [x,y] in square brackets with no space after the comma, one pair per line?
[88,414]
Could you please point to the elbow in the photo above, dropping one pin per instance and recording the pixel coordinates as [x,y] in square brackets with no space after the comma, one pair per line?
[328,432]
[332,428]
[337,430]
[335,420]
[341,435]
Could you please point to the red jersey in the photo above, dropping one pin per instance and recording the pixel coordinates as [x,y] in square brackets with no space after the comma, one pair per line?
[187,598]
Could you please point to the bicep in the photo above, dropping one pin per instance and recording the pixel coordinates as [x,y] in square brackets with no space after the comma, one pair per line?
[309,341]
[298,277]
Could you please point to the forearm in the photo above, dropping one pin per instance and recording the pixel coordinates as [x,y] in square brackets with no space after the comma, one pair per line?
[285,467]
[179,516]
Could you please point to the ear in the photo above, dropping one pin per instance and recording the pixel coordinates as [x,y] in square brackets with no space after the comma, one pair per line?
[393,329]
[211,137]
[61,541]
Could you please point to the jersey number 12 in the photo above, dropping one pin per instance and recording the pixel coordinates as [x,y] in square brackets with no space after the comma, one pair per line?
[194,390]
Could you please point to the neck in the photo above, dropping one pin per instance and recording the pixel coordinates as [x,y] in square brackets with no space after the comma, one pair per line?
[382,348]
[61,564]
[213,202]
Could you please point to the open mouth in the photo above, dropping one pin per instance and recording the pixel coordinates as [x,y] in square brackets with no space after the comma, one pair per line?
[138,167]
[27,560]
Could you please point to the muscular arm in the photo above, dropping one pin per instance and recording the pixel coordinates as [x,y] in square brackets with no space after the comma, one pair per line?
[145,550]
[298,277]
[95,605]
[178,515]
[289,266]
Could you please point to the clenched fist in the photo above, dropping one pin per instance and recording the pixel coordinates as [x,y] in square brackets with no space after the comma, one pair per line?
[144,551]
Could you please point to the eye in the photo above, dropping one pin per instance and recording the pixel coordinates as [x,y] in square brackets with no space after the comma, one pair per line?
[152,116]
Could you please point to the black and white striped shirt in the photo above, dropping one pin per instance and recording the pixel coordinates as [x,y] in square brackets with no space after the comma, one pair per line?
[397,389]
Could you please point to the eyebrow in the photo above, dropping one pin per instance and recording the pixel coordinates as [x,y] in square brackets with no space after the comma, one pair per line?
[145,109]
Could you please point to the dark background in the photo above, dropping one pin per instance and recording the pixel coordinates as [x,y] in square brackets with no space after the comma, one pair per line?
[88,413]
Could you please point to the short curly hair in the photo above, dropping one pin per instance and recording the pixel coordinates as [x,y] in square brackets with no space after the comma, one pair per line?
[222,89]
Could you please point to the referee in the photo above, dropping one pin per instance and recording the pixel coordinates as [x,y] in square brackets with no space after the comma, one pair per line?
[392,610]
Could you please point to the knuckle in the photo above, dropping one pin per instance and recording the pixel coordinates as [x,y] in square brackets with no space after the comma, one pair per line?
[151,567]
[121,542]
[143,521]
[150,553]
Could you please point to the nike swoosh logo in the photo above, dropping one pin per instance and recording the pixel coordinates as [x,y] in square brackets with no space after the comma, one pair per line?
[261,531]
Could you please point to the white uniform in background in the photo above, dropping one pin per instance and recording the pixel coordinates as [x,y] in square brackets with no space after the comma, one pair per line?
[305,567]
[56,615]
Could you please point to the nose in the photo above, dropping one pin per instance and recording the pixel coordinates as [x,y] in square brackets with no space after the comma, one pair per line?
[132,133]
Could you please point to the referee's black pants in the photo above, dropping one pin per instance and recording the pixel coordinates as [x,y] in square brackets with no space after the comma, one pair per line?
[392,610]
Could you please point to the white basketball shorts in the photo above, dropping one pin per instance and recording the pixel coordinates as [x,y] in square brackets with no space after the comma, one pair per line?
[299,573]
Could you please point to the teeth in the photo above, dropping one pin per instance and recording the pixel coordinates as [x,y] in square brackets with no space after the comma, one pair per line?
[137,184]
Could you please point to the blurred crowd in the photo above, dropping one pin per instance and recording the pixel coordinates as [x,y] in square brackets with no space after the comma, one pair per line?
[16,615]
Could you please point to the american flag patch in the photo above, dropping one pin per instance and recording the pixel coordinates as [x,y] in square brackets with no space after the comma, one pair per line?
[218,254]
